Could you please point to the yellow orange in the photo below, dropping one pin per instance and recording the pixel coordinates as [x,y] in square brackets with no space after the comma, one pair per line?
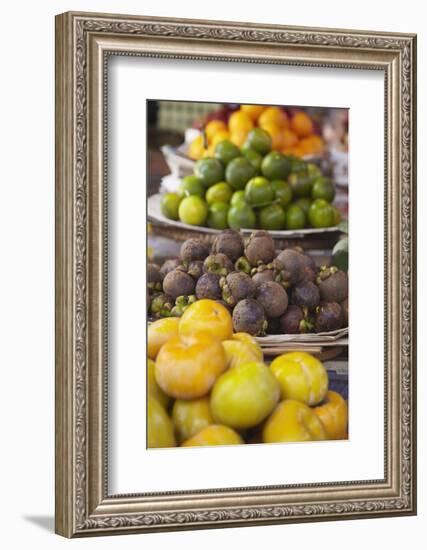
[219,136]
[238,137]
[189,417]
[276,134]
[302,124]
[289,138]
[159,426]
[214,126]
[312,145]
[206,316]
[196,149]
[239,352]
[253,111]
[293,421]
[274,115]
[214,435]
[240,121]
[250,341]
[333,412]
[159,333]
[187,369]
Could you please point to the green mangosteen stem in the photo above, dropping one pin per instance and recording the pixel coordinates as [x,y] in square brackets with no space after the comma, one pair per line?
[242,264]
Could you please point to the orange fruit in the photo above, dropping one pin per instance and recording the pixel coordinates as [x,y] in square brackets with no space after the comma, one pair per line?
[274,115]
[253,111]
[302,124]
[210,151]
[159,333]
[297,151]
[188,368]
[219,136]
[276,135]
[240,121]
[289,138]
[196,149]
[250,341]
[214,435]
[213,126]
[334,415]
[238,137]
[206,316]
[312,145]
[293,421]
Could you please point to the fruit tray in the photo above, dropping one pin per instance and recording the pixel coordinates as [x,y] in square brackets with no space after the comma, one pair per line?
[154,214]
[275,344]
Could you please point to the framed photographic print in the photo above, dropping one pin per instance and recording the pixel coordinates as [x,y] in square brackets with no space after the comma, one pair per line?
[235,274]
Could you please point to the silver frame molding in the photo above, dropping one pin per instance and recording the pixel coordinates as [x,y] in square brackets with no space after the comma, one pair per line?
[83,43]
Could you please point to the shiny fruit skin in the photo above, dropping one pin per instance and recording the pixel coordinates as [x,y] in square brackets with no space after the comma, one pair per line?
[169,205]
[295,217]
[238,172]
[293,421]
[219,192]
[209,171]
[226,151]
[218,215]
[238,352]
[206,316]
[214,434]
[323,188]
[159,332]
[244,395]
[253,157]
[238,197]
[259,140]
[152,388]
[159,426]
[189,417]
[258,191]
[250,341]
[333,412]
[191,185]
[193,210]
[272,217]
[254,111]
[214,126]
[241,216]
[276,166]
[187,368]
[321,214]
[197,149]
[301,124]
[301,376]
[239,121]
[282,192]
[274,115]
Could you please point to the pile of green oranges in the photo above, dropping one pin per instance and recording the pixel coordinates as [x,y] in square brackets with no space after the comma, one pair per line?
[253,187]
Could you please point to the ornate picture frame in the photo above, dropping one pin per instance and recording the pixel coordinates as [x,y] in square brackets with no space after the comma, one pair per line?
[83,43]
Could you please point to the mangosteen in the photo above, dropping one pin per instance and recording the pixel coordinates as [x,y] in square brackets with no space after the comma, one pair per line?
[161,305]
[178,283]
[208,287]
[169,265]
[333,284]
[242,264]
[248,316]
[230,243]
[259,248]
[273,298]
[193,249]
[154,277]
[329,316]
[308,270]
[306,294]
[290,321]
[195,269]
[237,286]
[181,304]
[344,305]
[273,326]
[288,264]
[263,276]
[219,264]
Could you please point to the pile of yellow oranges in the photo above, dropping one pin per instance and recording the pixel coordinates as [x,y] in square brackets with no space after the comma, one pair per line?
[293,135]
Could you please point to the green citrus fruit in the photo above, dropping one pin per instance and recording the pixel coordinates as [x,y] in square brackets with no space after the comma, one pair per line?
[219,192]
[241,216]
[295,217]
[321,214]
[193,210]
[253,157]
[191,185]
[238,197]
[259,140]
[337,215]
[323,188]
[272,217]
[217,215]
[226,151]
[238,172]
[304,203]
[209,171]
[282,191]
[169,205]
[301,184]
[258,191]
[276,166]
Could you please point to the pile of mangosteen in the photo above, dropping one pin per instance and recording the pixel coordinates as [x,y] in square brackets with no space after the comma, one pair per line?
[267,291]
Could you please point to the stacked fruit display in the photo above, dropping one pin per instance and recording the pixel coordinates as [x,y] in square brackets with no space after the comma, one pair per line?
[266,291]
[208,386]
[253,187]
[292,131]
